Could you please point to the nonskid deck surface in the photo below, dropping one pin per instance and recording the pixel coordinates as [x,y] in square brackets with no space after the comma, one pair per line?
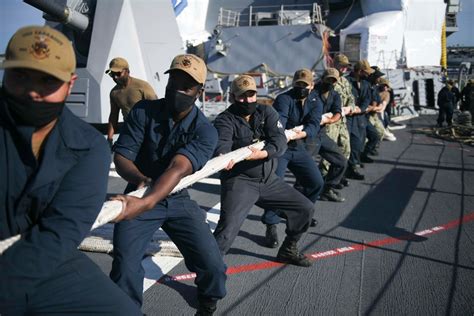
[366,256]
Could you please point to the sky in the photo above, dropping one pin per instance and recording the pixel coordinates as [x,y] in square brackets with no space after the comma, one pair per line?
[16,13]
[13,15]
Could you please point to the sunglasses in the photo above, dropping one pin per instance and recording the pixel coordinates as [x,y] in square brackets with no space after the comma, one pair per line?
[114,74]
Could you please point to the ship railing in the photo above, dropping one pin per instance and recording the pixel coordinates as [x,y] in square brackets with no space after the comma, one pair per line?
[294,14]
[228,18]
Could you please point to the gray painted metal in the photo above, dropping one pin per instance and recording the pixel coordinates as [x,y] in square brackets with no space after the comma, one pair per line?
[282,48]
[404,82]
[62,12]
[342,13]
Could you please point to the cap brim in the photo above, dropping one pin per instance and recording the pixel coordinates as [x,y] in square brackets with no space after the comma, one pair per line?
[240,92]
[378,73]
[113,69]
[369,71]
[331,76]
[344,64]
[34,65]
[302,80]
[183,70]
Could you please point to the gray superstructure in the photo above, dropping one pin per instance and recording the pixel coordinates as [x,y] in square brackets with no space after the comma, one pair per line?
[265,38]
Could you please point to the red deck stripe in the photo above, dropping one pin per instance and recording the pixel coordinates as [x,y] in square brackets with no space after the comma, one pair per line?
[330,253]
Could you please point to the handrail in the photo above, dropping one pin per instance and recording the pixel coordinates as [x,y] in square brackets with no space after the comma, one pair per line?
[274,14]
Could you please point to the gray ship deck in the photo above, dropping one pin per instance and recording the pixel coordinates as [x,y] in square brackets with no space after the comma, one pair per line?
[367,259]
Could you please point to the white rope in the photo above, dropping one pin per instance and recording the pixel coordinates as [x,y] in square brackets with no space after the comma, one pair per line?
[5,244]
[111,209]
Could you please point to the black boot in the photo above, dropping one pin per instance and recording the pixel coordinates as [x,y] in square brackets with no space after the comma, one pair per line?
[206,307]
[365,158]
[271,236]
[313,223]
[352,173]
[289,253]
[330,195]
[374,152]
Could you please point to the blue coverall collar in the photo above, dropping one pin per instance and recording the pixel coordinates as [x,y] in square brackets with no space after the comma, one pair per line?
[72,137]
[63,149]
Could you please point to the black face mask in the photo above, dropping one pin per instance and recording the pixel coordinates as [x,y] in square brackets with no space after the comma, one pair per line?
[32,113]
[178,102]
[301,93]
[327,86]
[245,108]
[372,79]
[364,76]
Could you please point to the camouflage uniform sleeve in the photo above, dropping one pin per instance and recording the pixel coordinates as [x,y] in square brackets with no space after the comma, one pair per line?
[349,101]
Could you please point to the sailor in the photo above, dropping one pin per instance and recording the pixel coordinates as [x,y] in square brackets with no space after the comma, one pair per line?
[467,97]
[53,182]
[297,107]
[325,146]
[374,129]
[446,103]
[163,141]
[357,122]
[126,93]
[338,131]
[253,181]
[384,93]
[457,93]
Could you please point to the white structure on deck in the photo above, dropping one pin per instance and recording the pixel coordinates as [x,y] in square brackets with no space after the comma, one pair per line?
[142,31]
[396,33]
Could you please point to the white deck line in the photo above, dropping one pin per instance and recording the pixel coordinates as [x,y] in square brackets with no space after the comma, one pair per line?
[156,266]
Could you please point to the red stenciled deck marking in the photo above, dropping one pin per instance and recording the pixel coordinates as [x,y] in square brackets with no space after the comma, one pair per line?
[333,252]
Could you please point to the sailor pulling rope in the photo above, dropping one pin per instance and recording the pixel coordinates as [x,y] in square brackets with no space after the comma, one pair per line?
[112,209]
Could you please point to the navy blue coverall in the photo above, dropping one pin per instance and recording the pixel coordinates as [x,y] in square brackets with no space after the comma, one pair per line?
[52,202]
[296,158]
[254,182]
[356,124]
[150,140]
[446,103]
